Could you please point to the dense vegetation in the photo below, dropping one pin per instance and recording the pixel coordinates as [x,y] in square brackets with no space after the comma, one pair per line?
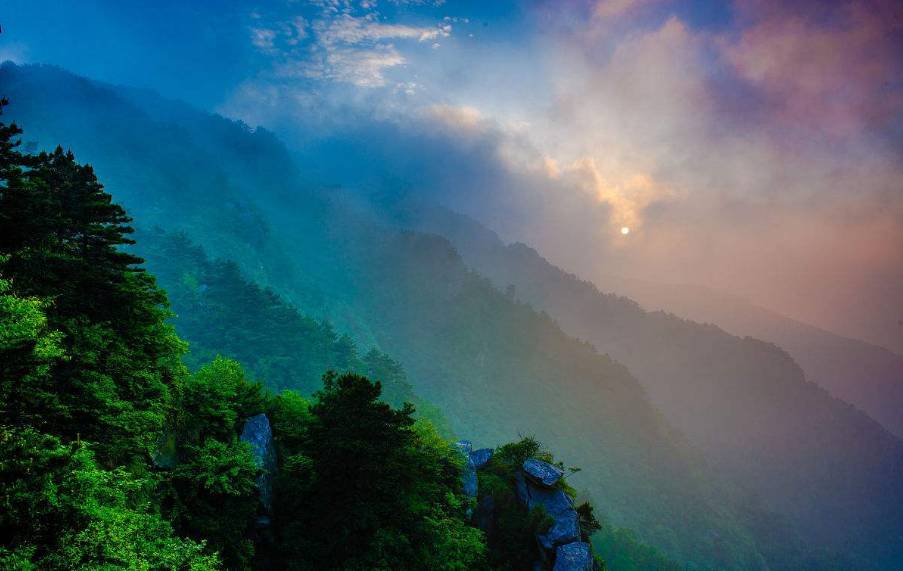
[222,313]
[495,365]
[115,456]
[496,368]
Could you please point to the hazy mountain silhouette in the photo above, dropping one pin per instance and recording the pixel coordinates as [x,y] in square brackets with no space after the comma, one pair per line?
[494,364]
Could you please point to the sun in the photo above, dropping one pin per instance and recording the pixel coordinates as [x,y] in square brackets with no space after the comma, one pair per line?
[625,230]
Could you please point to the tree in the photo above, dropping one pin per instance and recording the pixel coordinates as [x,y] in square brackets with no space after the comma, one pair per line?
[216,400]
[61,241]
[366,487]
[212,487]
[28,351]
[59,510]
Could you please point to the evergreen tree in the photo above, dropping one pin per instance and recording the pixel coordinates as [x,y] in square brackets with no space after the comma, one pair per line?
[61,239]
[211,492]
[368,488]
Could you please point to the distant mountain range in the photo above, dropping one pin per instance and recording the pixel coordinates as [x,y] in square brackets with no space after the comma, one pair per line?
[865,375]
[764,470]
[744,402]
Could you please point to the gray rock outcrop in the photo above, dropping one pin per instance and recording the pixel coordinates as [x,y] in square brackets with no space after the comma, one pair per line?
[542,473]
[258,433]
[574,556]
[565,527]
[480,457]
[469,474]
[537,486]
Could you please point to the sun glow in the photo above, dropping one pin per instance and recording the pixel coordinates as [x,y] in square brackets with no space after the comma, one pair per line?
[625,230]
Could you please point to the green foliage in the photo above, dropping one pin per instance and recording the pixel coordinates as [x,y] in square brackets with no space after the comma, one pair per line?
[290,415]
[61,241]
[513,528]
[90,370]
[589,524]
[28,350]
[59,510]
[216,400]
[214,497]
[211,492]
[379,492]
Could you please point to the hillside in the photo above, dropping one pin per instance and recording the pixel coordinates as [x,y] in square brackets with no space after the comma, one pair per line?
[744,402]
[862,374]
[115,457]
[495,367]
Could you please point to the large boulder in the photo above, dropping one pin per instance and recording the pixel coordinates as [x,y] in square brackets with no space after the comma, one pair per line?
[574,556]
[480,457]
[542,473]
[469,474]
[565,526]
[258,433]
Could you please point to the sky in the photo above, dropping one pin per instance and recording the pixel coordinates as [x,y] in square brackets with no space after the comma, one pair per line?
[753,146]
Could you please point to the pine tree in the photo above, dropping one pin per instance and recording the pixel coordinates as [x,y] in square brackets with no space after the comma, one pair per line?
[61,240]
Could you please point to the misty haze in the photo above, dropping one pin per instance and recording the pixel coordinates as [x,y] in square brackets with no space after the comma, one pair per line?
[451,285]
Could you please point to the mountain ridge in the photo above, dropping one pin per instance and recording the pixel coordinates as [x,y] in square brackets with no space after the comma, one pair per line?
[736,398]
[493,363]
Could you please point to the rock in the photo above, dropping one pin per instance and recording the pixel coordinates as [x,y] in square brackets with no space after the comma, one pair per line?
[469,473]
[574,556]
[259,435]
[565,527]
[480,457]
[542,472]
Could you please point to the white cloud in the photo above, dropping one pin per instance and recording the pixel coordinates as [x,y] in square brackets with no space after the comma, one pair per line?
[263,38]
[348,29]
[347,43]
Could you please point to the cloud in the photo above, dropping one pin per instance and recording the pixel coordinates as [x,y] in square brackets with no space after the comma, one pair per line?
[614,9]
[771,146]
[834,77]
[460,118]
[263,39]
[762,157]
[361,67]
[344,43]
[627,196]
[347,29]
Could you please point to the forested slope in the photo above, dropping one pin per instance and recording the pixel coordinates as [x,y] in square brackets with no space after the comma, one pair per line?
[863,374]
[744,402]
[495,366]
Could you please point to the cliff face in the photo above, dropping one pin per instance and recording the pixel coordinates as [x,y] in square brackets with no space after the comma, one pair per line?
[560,543]
[259,436]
